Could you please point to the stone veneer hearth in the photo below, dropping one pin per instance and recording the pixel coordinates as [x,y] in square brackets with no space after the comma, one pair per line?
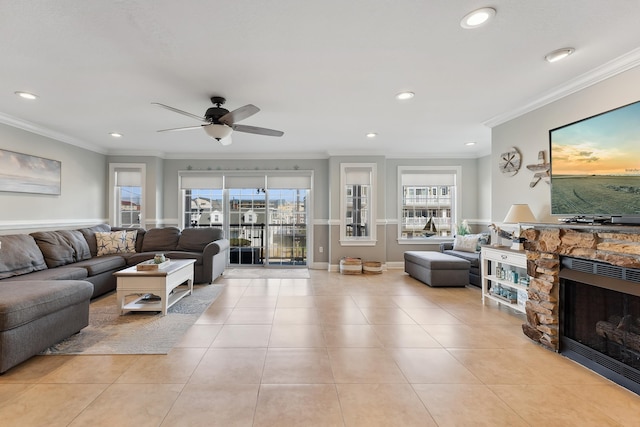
[545,244]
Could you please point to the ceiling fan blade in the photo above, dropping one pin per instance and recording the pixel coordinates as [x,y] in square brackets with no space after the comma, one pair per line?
[257,130]
[184,113]
[183,128]
[238,114]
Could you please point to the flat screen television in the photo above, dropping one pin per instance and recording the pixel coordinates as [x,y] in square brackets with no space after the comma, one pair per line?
[595,166]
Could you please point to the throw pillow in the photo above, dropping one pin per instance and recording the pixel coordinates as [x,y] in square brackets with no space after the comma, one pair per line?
[116,242]
[483,240]
[89,234]
[466,243]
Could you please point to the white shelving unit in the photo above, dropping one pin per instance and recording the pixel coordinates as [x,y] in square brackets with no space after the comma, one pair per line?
[514,294]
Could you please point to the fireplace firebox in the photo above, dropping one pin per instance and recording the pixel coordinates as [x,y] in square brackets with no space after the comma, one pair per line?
[600,319]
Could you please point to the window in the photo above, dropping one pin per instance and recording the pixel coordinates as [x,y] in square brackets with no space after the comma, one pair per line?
[429,199]
[203,204]
[126,198]
[357,204]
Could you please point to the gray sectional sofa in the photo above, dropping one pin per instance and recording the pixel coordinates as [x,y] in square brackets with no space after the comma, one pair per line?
[472,256]
[48,278]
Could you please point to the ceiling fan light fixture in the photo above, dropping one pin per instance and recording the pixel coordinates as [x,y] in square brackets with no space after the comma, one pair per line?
[225,141]
[405,95]
[26,95]
[477,18]
[371,135]
[559,54]
[217,131]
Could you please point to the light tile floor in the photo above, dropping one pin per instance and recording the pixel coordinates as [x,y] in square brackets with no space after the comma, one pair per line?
[370,350]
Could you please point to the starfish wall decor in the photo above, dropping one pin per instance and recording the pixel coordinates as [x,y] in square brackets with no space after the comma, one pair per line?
[541,170]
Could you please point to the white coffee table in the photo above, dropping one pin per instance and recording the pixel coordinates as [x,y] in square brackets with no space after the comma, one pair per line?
[159,282]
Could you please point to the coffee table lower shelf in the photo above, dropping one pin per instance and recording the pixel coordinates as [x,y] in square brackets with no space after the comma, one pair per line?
[137,305]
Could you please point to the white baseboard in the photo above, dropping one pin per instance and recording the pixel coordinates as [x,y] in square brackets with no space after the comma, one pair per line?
[395,265]
[385,266]
[319,266]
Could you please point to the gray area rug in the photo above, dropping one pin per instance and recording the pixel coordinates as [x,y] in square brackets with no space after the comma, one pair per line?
[266,273]
[136,332]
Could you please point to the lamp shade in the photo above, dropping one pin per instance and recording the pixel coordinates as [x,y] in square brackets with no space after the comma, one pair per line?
[218,132]
[519,213]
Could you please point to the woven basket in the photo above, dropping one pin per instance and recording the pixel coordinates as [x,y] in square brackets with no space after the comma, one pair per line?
[372,267]
[350,266]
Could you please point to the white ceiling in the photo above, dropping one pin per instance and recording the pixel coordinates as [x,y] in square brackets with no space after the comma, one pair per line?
[324,72]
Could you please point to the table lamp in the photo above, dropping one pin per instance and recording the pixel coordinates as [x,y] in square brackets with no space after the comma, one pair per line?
[517,214]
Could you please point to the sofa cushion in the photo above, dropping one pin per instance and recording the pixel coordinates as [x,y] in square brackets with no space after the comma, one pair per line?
[78,243]
[24,302]
[472,257]
[185,255]
[195,239]
[116,242]
[161,239]
[138,257]
[65,272]
[90,236]
[56,249]
[101,264]
[20,254]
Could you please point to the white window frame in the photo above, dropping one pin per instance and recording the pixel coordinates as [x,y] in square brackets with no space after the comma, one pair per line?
[114,217]
[267,179]
[346,169]
[456,208]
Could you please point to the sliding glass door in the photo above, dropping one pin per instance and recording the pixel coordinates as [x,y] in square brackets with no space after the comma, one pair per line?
[287,227]
[247,223]
[265,217]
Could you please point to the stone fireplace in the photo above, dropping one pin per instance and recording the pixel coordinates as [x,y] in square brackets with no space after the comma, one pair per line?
[584,296]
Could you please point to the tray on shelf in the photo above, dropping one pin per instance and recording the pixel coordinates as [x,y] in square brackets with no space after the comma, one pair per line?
[151,266]
[509,300]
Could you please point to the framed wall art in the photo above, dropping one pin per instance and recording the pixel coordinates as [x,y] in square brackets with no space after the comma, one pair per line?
[23,173]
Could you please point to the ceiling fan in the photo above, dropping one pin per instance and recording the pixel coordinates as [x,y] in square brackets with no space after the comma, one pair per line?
[219,122]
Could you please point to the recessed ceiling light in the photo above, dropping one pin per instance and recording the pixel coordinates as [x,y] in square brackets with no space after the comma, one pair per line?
[477,18]
[26,95]
[405,95]
[559,54]
[372,135]
[116,134]
[469,144]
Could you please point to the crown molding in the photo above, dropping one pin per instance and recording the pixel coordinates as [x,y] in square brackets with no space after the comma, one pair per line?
[605,71]
[49,133]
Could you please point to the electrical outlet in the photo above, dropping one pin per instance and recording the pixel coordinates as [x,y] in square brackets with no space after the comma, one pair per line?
[320,249]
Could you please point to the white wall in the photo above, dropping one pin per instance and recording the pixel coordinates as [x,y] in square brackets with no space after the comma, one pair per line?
[483,177]
[83,199]
[529,133]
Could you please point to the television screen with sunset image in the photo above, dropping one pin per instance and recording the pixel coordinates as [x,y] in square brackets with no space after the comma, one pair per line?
[595,165]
